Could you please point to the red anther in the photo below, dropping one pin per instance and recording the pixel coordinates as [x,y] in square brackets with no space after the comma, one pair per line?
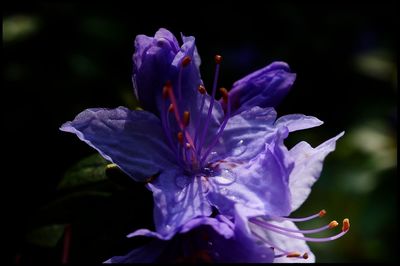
[322,213]
[186,118]
[305,255]
[346,225]
[186,60]
[166,89]
[201,89]
[218,59]
[180,137]
[224,94]
[171,108]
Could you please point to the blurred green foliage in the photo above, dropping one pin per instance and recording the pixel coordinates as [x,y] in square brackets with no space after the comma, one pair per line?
[61,58]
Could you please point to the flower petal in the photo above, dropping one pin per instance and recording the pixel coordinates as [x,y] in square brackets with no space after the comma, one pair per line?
[308,167]
[259,184]
[131,139]
[296,122]
[245,135]
[264,88]
[285,243]
[177,199]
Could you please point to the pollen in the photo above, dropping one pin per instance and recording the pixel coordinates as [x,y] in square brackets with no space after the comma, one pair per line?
[333,224]
[218,59]
[322,213]
[346,225]
[186,118]
[293,254]
[186,60]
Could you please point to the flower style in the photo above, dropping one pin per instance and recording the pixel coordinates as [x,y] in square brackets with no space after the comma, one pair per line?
[196,153]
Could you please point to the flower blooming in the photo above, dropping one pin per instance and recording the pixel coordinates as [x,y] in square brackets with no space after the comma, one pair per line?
[197,154]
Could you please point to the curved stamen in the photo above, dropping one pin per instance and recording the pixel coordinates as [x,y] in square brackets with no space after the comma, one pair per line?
[218,60]
[202,90]
[226,99]
[310,239]
[317,215]
[331,225]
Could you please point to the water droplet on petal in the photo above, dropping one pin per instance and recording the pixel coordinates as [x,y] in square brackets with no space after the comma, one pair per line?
[239,149]
[226,177]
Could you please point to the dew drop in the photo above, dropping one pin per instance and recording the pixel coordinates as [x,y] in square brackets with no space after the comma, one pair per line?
[239,149]
[225,178]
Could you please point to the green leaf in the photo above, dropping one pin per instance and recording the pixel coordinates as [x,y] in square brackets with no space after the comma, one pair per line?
[46,236]
[89,170]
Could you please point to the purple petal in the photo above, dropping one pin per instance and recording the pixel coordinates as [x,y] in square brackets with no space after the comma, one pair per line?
[307,168]
[177,199]
[260,184]
[296,122]
[131,139]
[264,88]
[245,135]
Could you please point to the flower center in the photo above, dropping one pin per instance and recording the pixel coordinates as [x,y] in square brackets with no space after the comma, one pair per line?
[188,141]
[272,226]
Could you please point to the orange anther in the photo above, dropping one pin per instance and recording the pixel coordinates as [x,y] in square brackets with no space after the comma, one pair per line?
[218,59]
[201,89]
[180,137]
[322,213]
[224,94]
[346,225]
[186,118]
[186,60]
[333,224]
[171,108]
[293,254]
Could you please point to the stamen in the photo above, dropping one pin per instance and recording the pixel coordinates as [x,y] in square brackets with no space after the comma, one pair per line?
[309,231]
[186,118]
[333,224]
[166,89]
[171,108]
[346,225]
[319,214]
[293,255]
[186,60]
[180,137]
[221,128]
[311,239]
[202,90]
[305,255]
[218,59]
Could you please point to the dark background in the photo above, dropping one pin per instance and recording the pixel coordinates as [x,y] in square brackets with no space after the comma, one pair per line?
[61,58]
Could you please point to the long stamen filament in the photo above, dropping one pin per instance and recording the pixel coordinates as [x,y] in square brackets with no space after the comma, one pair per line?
[218,60]
[309,231]
[310,239]
[317,215]
[226,97]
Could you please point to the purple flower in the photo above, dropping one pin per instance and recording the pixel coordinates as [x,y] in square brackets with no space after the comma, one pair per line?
[196,153]
[202,239]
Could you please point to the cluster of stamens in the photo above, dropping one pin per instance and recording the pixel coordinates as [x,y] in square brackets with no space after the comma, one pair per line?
[189,147]
[294,233]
